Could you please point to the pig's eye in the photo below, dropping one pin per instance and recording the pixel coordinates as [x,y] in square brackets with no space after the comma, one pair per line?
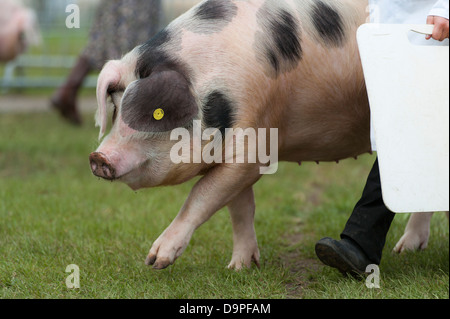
[115,102]
[114,114]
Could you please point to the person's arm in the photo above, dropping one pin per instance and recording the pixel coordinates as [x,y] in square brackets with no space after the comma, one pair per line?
[439,16]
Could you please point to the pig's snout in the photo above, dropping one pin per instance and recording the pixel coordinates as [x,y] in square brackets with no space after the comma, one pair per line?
[101,166]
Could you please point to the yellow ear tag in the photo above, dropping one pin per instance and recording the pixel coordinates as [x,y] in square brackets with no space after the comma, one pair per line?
[158,114]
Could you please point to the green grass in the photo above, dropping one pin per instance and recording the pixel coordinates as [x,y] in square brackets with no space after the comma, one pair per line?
[53,213]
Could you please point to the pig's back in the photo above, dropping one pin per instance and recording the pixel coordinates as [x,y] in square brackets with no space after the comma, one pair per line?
[293,65]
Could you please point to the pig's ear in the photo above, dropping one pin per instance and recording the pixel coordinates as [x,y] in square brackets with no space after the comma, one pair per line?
[159,103]
[109,76]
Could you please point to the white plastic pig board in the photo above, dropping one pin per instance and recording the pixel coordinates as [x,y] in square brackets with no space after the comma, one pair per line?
[408,88]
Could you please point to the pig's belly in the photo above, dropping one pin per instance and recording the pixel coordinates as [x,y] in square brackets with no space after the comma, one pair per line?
[330,139]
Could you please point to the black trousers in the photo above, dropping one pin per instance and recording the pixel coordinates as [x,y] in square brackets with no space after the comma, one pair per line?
[370,221]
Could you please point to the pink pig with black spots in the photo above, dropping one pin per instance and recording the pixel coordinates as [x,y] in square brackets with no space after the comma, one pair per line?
[289,65]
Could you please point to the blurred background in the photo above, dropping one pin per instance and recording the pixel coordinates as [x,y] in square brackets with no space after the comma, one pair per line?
[54,213]
[54,48]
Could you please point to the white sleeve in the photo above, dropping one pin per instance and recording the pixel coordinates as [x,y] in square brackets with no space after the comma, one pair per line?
[440,9]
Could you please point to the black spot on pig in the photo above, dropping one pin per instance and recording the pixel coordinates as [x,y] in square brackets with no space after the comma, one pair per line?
[328,23]
[278,45]
[212,16]
[216,10]
[218,111]
[161,38]
[285,36]
[166,90]
[153,56]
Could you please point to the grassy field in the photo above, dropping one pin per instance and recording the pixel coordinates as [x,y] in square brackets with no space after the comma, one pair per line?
[54,213]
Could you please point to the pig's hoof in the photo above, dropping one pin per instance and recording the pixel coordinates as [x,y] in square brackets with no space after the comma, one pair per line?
[158,263]
[168,247]
[411,241]
[238,262]
[150,261]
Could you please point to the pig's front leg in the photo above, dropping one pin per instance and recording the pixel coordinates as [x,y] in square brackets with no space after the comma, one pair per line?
[245,246]
[215,190]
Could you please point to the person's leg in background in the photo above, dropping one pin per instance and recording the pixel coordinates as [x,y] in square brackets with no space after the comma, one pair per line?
[119,26]
[65,98]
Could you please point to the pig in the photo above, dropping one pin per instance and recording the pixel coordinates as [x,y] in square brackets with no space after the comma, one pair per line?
[18,29]
[289,65]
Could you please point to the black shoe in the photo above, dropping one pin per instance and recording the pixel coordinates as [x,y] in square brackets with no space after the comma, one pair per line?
[343,255]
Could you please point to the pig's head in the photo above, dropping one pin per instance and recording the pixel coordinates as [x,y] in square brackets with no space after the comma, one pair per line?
[146,110]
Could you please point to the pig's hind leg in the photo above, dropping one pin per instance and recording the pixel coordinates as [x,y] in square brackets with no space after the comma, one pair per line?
[416,233]
[245,246]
